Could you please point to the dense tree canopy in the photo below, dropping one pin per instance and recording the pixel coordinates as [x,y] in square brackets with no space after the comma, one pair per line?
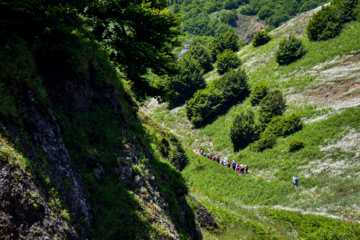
[226,40]
[242,130]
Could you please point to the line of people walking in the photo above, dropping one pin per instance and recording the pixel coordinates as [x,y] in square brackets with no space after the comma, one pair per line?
[240,168]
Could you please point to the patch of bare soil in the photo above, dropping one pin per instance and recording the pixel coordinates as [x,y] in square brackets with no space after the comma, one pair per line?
[338,90]
[203,216]
[247,27]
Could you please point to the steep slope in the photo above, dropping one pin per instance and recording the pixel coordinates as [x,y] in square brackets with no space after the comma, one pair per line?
[323,88]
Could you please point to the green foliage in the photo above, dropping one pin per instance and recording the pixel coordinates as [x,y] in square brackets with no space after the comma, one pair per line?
[223,93]
[201,53]
[325,24]
[273,104]
[233,4]
[180,160]
[258,93]
[226,40]
[227,60]
[296,145]
[234,86]
[204,106]
[284,125]
[242,131]
[263,143]
[261,38]
[290,50]
[182,86]
[276,12]
[138,39]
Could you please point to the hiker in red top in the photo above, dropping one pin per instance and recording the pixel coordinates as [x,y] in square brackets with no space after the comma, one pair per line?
[246,168]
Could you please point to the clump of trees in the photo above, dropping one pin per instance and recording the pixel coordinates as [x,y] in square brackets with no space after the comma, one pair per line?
[261,38]
[202,54]
[290,50]
[270,125]
[189,79]
[219,96]
[225,41]
[328,22]
[226,61]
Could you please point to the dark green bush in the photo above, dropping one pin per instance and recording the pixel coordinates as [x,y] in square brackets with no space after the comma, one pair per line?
[259,92]
[273,104]
[290,50]
[261,38]
[348,9]
[202,54]
[226,40]
[284,126]
[190,78]
[204,106]
[179,159]
[296,145]
[234,87]
[226,61]
[242,130]
[325,24]
[264,143]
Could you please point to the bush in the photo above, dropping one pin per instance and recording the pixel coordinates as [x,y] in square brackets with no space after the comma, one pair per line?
[284,126]
[179,159]
[273,104]
[226,40]
[234,87]
[325,24]
[226,61]
[259,92]
[264,143]
[242,130]
[204,106]
[201,53]
[261,38]
[296,145]
[290,50]
[190,78]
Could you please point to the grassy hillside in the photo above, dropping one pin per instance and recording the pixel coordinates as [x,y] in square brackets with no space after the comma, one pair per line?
[323,87]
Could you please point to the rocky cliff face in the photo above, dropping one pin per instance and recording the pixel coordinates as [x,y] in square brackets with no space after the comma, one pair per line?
[76,164]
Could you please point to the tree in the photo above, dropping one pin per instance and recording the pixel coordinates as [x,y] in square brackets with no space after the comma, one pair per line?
[259,92]
[182,86]
[234,86]
[201,53]
[179,159]
[242,130]
[138,35]
[261,38]
[226,61]
[290,50]
[204,106]
[273,104]
[325,24]
[226,40]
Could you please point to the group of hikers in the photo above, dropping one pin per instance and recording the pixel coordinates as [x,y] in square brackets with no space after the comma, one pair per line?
[240,168]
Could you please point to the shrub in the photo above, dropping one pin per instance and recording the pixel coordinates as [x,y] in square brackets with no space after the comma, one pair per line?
[259,92]
[261,38]
[205,105]
[202,54]
[296,145]
[263,143]
[183,85]
[226,40]
[242,130]
[226,61]
[290,50]
[347,9]
[273,104]
[325,24]
[284,126]
[234,87]
[180,159]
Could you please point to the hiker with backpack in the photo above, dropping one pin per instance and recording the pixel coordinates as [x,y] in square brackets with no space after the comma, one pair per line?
[228,164]
[237,168]
[242,168]
[295,181]
[246,168]
[233,165]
